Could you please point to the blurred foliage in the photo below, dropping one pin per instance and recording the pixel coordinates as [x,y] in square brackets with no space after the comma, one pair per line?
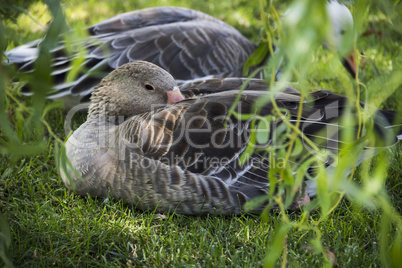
[5,241]
[11,9]
[31,126]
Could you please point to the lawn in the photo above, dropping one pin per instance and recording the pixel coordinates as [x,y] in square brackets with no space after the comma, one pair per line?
[44,224]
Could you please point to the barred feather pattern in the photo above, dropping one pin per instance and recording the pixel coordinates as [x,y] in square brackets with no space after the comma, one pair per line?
[184,157]
[188,44]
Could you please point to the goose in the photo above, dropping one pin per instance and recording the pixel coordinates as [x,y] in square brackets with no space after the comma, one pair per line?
[164,148]
[188,44]
[339,37]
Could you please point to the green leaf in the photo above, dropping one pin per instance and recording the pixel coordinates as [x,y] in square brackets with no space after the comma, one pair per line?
[250,146]
[256,202]
[3,40]
[248,151]
[256,58]
[322,190]
[5,241]
[297,147]
[288,175]
[280,134]
[51,106]
[263,130]
[396,250]
[5,231]
[276,244]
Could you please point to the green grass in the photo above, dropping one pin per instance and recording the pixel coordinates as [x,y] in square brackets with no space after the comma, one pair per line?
[51,226]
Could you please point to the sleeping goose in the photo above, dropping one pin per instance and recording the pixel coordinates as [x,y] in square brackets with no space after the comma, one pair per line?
[187,43]
[145,143]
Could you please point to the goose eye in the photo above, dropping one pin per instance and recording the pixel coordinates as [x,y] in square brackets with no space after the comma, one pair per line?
[343,32]
[149,87]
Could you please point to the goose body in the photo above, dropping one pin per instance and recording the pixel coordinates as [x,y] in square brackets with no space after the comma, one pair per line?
[184,156]
[187,43]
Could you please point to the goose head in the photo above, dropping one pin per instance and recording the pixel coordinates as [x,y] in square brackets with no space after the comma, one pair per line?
[342,33]
[339,35]
[133,88]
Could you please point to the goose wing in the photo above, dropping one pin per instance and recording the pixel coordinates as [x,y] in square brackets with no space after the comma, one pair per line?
[187,43]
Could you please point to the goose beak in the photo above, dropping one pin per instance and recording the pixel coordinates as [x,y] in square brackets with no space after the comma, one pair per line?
[174,95]
[350,63]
